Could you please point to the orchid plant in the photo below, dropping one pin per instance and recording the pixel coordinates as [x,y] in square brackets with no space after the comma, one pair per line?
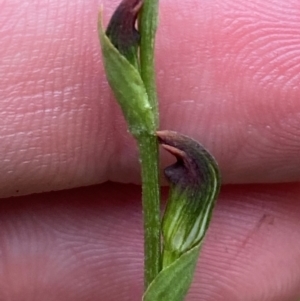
[171,246]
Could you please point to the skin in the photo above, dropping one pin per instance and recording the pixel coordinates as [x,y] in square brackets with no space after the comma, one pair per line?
[228,76]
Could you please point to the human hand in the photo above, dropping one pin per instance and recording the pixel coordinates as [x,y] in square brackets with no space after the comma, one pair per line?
[228,76]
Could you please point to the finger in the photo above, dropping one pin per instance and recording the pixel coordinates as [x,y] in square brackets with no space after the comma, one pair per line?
[86,244]
[227,75]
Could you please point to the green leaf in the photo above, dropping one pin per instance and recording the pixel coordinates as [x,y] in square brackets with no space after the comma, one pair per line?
[173,282]
[127,86]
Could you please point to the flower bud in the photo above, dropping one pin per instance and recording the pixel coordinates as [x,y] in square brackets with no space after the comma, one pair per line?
[121,29]
[194,186]
[119,51]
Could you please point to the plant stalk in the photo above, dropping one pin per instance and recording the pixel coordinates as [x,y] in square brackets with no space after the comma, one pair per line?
[135,91]
[148,147]
[147,28]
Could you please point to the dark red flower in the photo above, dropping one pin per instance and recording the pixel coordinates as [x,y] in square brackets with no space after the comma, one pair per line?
[121,29]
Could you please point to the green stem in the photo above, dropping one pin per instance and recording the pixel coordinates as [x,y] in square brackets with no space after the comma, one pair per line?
[148,147]
[147,29]
[136,94]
